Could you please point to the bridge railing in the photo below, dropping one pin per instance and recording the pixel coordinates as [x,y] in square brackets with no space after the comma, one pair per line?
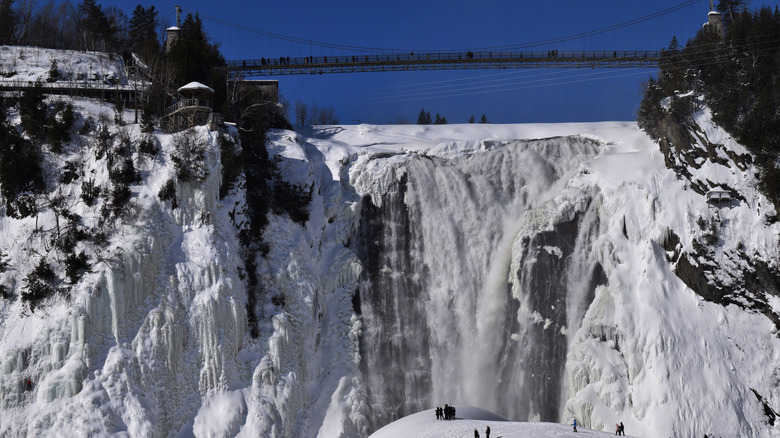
[462,57]
[73,85]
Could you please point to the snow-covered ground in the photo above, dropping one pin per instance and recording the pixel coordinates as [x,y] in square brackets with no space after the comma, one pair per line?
[468,419]
[20,65]
[153,341]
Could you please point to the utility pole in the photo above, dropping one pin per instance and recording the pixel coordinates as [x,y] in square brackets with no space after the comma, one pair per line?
[178,14]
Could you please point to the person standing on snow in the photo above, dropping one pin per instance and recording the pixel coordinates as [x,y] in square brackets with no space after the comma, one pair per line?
[476,433]
[622,429]
[575,424]
[487,432]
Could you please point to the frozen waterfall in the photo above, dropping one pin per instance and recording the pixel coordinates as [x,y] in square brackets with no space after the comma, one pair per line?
[473,279]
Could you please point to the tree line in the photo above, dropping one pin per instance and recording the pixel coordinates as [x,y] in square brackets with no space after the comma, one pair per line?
[424,118]
[62,25]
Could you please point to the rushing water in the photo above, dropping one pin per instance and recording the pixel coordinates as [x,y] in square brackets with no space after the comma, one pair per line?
[472,285]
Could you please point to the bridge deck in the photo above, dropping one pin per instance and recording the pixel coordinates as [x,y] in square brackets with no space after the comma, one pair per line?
[444,61]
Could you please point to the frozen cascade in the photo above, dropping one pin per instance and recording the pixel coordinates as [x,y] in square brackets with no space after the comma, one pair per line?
[436,332]
[161,323]
[308,382]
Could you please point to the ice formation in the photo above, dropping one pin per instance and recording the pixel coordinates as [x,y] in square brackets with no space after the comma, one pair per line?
[517,268]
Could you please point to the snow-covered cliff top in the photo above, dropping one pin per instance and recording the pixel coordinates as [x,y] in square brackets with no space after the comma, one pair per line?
[22,64]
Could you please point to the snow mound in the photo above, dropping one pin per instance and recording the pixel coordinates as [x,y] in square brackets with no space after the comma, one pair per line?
[469,418]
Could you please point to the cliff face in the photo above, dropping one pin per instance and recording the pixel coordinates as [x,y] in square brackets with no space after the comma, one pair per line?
[545,272]
[709,161]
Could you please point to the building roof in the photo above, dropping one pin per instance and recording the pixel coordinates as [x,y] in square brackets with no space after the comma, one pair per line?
[196,86]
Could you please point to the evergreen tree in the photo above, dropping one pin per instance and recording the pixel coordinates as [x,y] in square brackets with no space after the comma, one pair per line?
[32,110]
[147,120]
[54,72]
[440,120]
[20,167]
[96,30]
[483,119]
[7,22]
[471,119]
[730,9]
[424,118]
[143,32]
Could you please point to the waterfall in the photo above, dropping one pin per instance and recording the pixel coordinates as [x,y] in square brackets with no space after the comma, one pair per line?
[473,276]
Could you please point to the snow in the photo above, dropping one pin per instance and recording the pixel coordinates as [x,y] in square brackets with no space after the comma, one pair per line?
[196,86]
[20,65]
[154,341]
[424,425]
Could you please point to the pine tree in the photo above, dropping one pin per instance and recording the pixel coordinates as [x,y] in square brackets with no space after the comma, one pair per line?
[483,119]
[7,22]
[440,120]
[147,120]
[32,110]
[471,119]
[424,118]
[730,9]
[143,32]
[54,72]
[97,31]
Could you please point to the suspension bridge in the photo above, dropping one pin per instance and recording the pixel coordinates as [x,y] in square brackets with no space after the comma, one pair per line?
[444,61]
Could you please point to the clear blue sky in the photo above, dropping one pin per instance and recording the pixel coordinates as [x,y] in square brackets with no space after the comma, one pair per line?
[504,96]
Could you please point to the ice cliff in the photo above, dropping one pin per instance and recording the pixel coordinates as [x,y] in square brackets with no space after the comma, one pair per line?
[531,270]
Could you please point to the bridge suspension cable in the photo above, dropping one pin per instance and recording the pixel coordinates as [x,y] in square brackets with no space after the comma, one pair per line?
[430,90]
[353,48]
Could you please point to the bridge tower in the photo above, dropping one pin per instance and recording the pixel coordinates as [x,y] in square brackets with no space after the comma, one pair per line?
[714,20]
[172,33]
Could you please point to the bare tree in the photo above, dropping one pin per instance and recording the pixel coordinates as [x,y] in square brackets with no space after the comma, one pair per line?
[24,13]
[286,105]
[51,26]
[301,113]
[325,115]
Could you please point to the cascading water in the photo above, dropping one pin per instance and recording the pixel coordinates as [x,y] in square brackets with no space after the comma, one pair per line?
[472,279]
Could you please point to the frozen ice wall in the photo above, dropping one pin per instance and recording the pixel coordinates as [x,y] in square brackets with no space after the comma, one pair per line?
[526,277]
[530,278]
[155,327]
[473,278]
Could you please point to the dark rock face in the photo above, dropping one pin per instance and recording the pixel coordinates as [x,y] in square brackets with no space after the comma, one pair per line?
[543,347]
[394,345]
[685,147]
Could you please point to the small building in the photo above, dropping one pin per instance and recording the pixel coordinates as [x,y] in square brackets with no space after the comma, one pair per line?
[267,90]
[718,197]
[194,107]
[714,20]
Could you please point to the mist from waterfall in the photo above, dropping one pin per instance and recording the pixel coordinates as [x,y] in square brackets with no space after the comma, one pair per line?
[470,283]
